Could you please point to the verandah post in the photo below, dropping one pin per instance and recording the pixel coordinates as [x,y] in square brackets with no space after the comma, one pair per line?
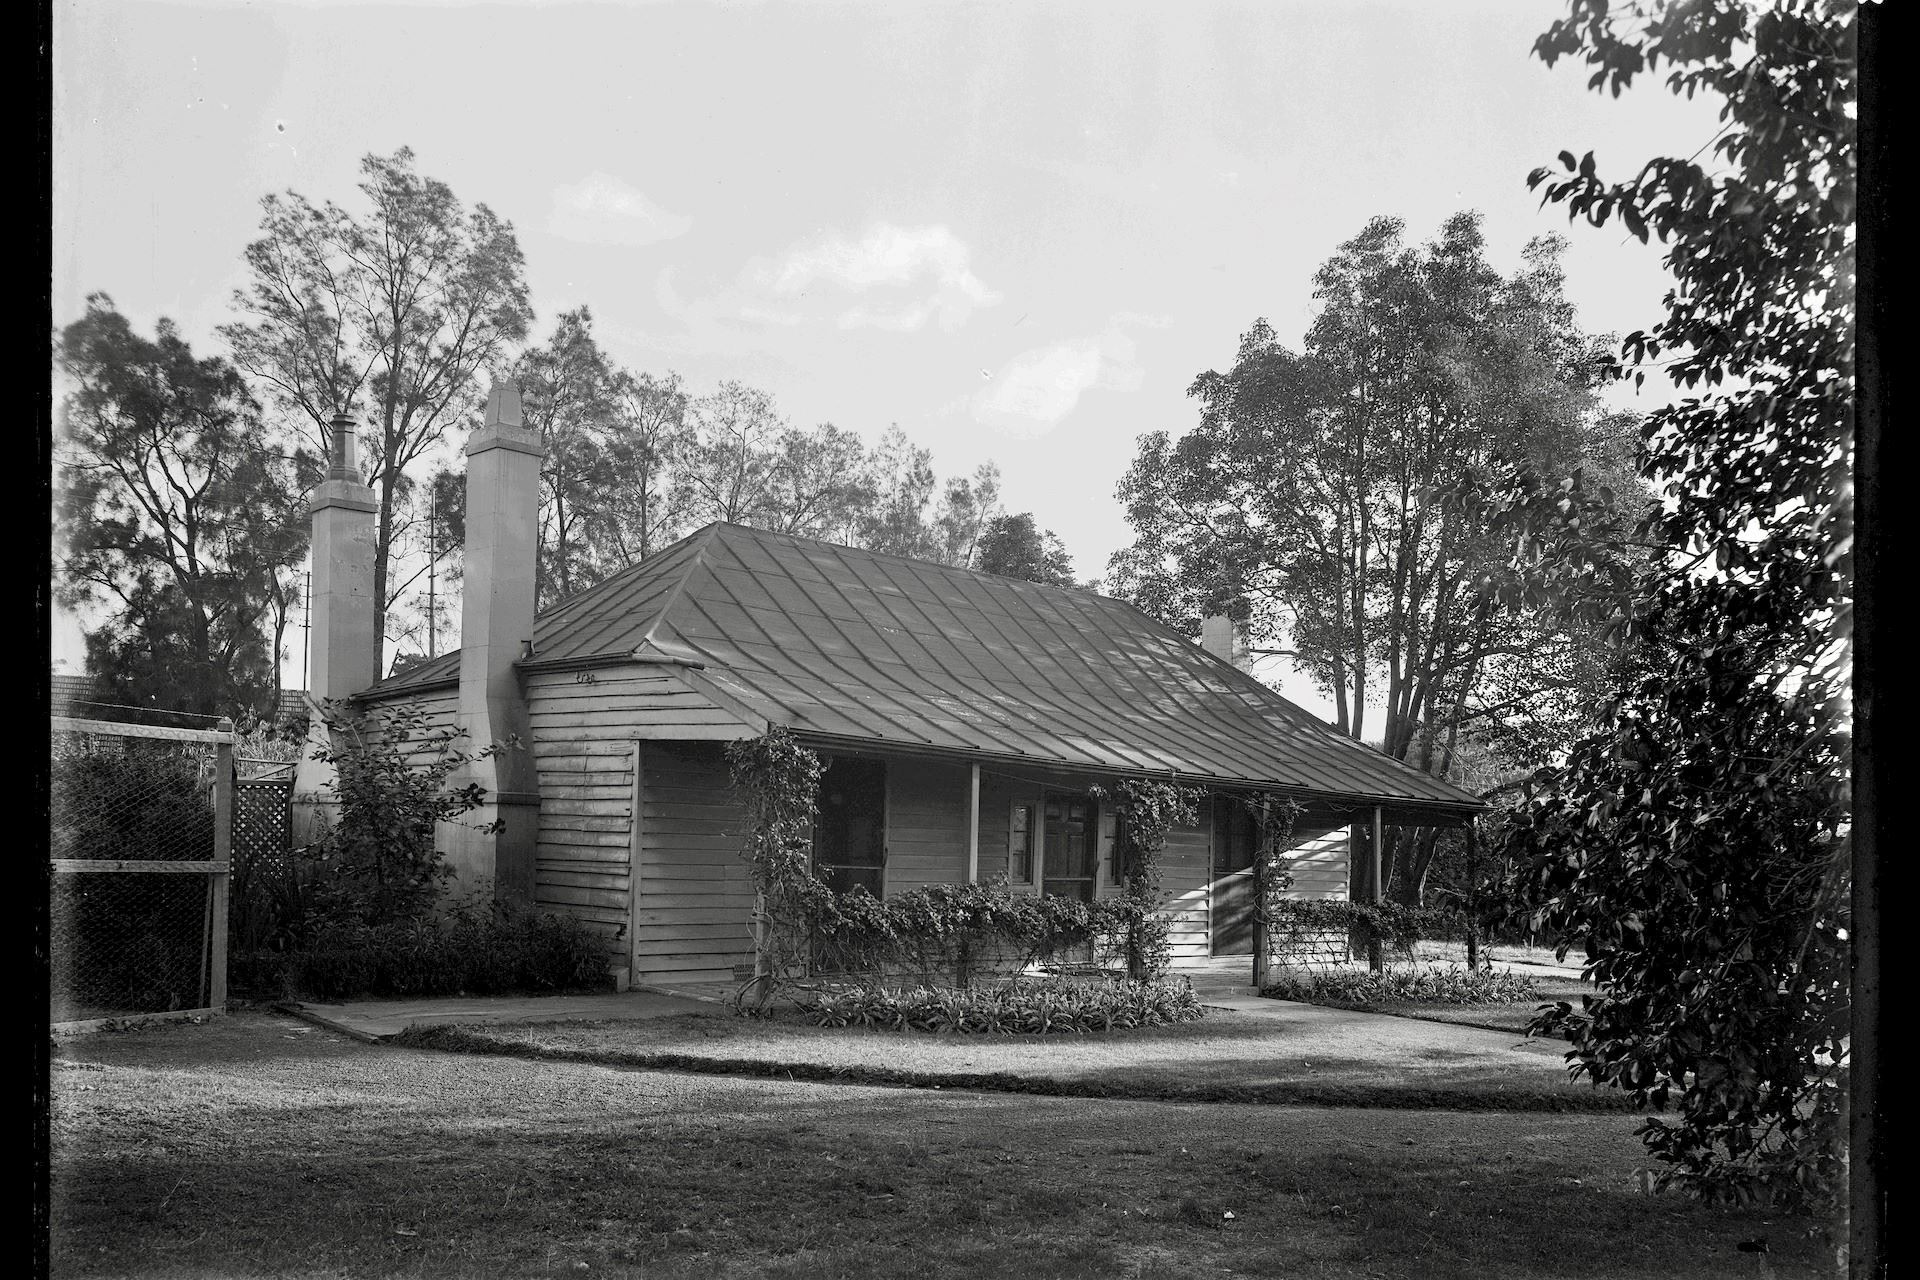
[1376,960]
[973,826]
[1473,895]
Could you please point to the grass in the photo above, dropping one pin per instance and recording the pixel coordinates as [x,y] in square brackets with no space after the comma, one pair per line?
[1314,1057]
[259,1146]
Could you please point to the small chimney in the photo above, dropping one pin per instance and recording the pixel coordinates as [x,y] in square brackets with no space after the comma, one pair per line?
[496,628]
[1220,636]
[345,654]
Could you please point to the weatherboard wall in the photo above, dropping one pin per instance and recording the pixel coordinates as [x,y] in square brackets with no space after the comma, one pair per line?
[1320,858]
[590,728]
[693,915]
[926,824]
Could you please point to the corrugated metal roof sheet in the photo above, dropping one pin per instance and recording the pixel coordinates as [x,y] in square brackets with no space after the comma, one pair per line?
[854,645]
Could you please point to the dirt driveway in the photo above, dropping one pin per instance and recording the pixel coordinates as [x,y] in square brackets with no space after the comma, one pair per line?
[259,1145]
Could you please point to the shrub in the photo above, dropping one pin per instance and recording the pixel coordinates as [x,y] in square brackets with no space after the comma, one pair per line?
[1056,1005]
[470,950]
[378,864]
[1453,984]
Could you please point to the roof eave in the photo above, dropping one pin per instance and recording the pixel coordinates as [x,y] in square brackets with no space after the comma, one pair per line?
[1440,812]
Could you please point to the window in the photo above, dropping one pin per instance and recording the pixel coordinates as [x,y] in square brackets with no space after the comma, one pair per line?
[1020,844]
[850,834]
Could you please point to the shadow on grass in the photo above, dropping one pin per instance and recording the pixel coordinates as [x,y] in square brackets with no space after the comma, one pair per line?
[1157,1083]
[684,1195]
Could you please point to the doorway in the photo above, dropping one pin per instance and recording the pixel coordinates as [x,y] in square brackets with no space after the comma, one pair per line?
[1235,838]
[1070,855]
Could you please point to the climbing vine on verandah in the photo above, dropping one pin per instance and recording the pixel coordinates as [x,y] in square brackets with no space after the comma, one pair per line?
[1148,812]
[1273,819]
[778,782]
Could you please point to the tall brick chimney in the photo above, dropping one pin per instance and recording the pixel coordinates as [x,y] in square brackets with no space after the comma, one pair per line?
[496,626]
[345,654]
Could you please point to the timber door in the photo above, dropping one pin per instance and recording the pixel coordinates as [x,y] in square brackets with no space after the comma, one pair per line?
[1070,854]
[850,833]
[1234,838]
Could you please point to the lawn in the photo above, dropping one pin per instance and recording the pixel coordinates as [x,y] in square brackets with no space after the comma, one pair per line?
[1305,1055]
[257,1145]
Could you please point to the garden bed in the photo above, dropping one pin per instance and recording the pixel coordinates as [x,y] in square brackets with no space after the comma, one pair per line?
[1523,990]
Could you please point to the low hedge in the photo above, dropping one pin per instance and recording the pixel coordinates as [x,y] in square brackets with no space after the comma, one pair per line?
[1054,1005]
[464,951]
[1453,984]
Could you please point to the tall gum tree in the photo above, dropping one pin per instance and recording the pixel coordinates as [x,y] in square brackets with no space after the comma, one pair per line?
[392,315]
[1310,501]
[176,514]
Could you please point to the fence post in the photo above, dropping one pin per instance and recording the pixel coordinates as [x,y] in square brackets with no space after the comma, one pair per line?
[218,879]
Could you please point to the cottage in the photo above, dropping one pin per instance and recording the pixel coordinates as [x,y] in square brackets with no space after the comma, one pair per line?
[966,719]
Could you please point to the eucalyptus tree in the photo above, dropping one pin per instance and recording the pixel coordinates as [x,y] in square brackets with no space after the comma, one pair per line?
[176,514]
[393,314]
[647,503]
[902,481]
[1311,501]
[967,509]
[569,393]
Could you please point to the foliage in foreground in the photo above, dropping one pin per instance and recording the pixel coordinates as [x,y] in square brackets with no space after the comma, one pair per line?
[1053,1005]
[467,950]
[1695,841]
[1454,984]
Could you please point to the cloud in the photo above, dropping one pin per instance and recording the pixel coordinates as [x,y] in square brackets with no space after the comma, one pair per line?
[904,276]
[601,209]
[1036,390]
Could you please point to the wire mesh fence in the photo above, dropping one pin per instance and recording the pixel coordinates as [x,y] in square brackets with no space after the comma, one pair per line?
[140,830]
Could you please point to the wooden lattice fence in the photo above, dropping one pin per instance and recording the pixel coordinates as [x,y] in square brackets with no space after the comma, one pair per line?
[266,877]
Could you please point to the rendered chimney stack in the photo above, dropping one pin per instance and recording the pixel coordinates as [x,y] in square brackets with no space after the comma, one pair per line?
[1219,637]
[345,657]
[346,652]
[496,629]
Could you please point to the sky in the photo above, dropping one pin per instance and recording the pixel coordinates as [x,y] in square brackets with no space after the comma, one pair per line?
[1018,231]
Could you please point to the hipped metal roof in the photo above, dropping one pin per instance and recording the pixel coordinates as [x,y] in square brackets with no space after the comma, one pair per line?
[855,647]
